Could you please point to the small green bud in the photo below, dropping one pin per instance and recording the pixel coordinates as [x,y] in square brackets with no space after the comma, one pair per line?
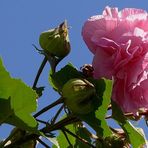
[78,95]
[56,41]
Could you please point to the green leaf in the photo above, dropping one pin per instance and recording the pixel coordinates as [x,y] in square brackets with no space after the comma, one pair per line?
[134,136]
[96,119]
[102,110]
[17,102]
[51,80]
[58,79]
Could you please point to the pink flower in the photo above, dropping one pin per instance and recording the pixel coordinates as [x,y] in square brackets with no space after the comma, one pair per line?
[119,42]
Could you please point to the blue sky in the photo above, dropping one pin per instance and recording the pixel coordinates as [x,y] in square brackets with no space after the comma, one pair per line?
[21,23]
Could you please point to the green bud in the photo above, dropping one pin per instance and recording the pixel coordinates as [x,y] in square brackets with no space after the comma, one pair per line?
[78,95]
[56,41]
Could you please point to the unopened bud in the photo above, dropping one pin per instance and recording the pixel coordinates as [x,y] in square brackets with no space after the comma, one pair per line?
[56,41]
[78,95]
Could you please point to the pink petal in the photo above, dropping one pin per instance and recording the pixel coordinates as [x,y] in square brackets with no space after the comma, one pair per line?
[97,29]
[102,64]
[131,11]
[110,12]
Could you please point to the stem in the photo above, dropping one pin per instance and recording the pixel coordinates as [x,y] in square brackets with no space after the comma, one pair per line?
[57,114]
[79,138]
[39,72]
[65,134]
[53,61]
[60,124]
[47,129]
[43,143]
[53,64]
[44,122]
[60,100]
[129,115]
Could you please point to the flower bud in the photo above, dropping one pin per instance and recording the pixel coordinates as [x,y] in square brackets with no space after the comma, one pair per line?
[56,41]
[78,95]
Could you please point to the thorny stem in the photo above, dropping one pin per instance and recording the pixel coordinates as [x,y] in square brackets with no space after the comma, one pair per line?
[39,72]
[60,100]
[79,138]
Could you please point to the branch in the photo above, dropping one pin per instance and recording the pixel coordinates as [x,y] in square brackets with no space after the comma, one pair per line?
[47,129]
[57,114]
[43,143]
[44,122]
[60,124]
[65,134]
[130,115]
[60,100]
[79,138]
